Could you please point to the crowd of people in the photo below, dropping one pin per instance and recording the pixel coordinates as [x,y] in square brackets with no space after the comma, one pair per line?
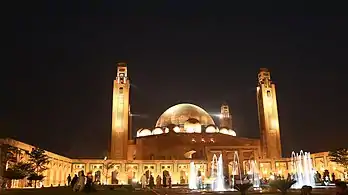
[81,182]
[167,181]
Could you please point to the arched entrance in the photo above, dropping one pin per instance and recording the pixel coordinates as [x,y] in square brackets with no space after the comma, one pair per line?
[114,175]
[147,175]
[165,178]
[183,177]
[97,176]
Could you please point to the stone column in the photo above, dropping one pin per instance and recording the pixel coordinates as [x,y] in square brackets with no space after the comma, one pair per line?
[241,160]
[209,159]
[225,162]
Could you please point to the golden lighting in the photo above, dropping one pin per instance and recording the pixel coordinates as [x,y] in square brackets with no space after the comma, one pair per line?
[274,124]
[144,132]
[210,129]
[224,131]
[176,129]
[157,131]
[180,113]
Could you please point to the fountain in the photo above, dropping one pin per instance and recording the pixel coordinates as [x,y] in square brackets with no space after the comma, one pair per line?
[302,169]
[236,168]
[213,173]
[255,173]
[192,176]
[217,174]
[220,176]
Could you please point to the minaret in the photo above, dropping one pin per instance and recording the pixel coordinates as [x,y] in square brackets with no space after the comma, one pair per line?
[130,124]
[120,114]
[268,116]
[225,117]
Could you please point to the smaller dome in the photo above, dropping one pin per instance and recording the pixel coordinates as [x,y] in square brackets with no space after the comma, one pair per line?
[224,131]
[176,129]
[157,131]
[166,130]
[228,132]
[211,129]
[144,132]
[231,132]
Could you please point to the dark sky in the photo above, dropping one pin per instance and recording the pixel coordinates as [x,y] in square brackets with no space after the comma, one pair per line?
[58,84]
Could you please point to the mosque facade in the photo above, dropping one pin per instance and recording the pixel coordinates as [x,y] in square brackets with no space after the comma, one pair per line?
[183,133]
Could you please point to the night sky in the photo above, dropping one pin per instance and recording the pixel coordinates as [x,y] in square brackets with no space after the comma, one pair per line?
[58,82]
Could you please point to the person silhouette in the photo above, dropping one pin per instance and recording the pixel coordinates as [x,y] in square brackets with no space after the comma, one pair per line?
[143,181]
[73,181]
[68,179]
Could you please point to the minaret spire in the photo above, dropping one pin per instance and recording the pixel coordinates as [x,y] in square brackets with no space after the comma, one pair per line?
[225,116]
[268,116]
[120,114]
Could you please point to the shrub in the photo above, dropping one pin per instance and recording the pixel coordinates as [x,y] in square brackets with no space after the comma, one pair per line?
[243,188]
[283,185]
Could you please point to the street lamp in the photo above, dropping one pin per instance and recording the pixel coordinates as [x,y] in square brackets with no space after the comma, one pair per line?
[105,172]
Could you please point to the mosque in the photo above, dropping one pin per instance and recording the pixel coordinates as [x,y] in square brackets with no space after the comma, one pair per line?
[183,133]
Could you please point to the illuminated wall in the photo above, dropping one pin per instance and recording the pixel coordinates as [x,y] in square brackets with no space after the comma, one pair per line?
[268,117]
[57,171]
[120,114]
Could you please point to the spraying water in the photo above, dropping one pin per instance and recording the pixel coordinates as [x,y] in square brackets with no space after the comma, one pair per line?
[217,174]
[302,169]
[192,176]
[213,174]
[255,174]
[220,175]
[236,169]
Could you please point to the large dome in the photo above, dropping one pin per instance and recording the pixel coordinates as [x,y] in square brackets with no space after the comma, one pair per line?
[181,113]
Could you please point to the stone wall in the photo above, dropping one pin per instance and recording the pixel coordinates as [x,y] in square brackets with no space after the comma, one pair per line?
[133,170]
[173,146]
[58,169]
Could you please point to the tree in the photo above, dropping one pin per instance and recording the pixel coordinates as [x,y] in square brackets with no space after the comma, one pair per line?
[39,160]
[283,185]
[11,155]
[19,170]
[11,174]
[9,158]
[35,177]
[340,156]
[15,171]
[107,167]
[243,187]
